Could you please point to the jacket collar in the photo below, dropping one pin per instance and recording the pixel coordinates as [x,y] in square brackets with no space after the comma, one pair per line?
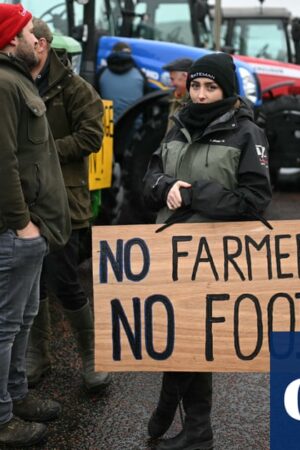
[59,73]
[120,62]
[10,60]
[228,121]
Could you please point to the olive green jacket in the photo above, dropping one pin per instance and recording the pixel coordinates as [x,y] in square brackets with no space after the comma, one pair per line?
[31,183]
[226,165]
[74,112]
[175,105]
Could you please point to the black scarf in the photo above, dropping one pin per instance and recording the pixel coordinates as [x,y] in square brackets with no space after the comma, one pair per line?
[197,116]
[120,62]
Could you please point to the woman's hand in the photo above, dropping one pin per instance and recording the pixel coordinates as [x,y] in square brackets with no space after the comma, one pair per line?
[174,199]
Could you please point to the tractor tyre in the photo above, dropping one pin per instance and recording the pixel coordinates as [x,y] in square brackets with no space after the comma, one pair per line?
[136,159]
[280,117]
[133,149]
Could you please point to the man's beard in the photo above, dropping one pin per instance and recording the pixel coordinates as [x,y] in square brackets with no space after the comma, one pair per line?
[25,52]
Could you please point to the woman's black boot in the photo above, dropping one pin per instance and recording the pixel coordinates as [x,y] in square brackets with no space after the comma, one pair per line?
[197,431]
[173,387]
[185,441]
[162,417]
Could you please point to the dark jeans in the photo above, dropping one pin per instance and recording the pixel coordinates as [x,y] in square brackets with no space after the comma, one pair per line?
[60,273]
[20,269]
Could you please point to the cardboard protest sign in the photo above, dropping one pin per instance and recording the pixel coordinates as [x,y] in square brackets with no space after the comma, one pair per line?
[194,297]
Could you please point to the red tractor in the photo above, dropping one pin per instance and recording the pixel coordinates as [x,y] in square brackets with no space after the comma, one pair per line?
[269,40]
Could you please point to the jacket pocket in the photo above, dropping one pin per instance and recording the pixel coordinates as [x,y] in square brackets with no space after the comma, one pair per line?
[37,123]
[31,184]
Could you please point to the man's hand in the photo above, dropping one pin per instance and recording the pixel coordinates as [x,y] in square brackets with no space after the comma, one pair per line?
[174,199]
[29,232]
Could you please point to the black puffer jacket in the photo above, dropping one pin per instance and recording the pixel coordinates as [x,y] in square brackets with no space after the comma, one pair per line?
[227,166]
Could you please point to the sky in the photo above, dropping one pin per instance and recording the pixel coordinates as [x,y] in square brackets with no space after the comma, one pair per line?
[292,5]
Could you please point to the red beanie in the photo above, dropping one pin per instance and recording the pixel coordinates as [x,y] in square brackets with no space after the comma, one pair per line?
[13,18]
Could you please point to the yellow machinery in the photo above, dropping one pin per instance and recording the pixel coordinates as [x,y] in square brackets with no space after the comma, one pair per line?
[100,164]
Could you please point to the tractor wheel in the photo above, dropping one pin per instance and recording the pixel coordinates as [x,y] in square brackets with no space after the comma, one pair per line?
[135,163]
[280,117]
[133,150]
[123,202]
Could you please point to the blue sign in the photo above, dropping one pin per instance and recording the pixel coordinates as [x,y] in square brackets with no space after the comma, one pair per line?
[285,387]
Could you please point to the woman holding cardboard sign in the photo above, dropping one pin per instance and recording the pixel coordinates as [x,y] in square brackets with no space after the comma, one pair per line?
[212,165]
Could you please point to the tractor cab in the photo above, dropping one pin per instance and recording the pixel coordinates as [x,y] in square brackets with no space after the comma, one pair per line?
[177,21]
[262,33]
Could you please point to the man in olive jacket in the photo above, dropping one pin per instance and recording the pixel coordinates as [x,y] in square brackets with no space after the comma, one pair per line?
[74,111]
[33,215]
[178,69]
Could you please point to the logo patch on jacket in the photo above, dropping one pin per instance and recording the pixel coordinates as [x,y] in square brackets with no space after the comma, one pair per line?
[262,155]
[217,141]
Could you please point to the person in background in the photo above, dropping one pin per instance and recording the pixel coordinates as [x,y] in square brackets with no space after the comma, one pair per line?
[211,166]
[121,80]
[178,74]
[74,112]
[34,215]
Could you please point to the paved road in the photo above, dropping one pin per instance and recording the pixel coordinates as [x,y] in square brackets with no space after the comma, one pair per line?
[117,419]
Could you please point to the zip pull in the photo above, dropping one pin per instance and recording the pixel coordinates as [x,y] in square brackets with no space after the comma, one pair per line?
[264,221]
[207,151]
[179,216]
